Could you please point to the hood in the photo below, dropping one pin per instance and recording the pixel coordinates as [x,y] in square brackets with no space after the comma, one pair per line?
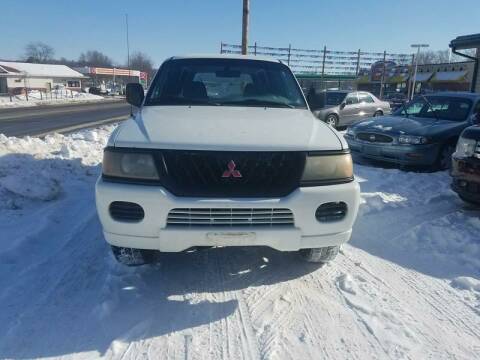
[227,128]
[472,132]
[397,125]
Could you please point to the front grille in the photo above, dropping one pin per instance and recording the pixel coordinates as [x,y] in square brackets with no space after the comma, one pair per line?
[373,137]
[230,217]
[201,173]
[126,211]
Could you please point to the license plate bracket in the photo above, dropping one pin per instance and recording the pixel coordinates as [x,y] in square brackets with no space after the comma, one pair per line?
[231,236]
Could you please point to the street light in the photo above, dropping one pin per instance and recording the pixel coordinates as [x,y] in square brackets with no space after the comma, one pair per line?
[418,47]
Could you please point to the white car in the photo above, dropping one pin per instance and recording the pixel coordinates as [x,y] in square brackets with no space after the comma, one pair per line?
[224,151]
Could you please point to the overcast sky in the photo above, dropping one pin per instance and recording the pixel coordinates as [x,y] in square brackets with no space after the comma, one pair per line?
[163,28]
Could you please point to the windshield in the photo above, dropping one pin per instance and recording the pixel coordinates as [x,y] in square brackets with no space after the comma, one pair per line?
[441,107]
[335,98]
[227,82]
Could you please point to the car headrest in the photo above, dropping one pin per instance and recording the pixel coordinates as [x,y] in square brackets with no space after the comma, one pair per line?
[195,90]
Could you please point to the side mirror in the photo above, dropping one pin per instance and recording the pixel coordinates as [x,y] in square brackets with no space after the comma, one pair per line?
[135,94]
[342,105]
[474,118]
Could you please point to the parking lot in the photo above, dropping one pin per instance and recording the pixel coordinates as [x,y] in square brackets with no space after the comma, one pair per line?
[403,287]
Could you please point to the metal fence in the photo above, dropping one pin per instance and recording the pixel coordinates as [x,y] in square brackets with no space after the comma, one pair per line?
[325,61]
[39,95]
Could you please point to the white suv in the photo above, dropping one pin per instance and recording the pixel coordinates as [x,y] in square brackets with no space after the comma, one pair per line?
[224,151]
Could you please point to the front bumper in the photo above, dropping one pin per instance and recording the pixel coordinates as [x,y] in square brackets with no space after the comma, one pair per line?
[466,177]
[415,155]
[153,233]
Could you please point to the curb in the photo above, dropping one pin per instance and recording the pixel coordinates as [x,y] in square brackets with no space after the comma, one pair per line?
[82,126]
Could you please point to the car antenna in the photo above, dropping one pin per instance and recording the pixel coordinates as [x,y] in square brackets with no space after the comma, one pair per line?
[430,106]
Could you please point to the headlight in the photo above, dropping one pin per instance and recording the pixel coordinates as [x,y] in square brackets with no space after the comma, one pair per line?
[465,147]
[129,165]
[323,169]
[412,140]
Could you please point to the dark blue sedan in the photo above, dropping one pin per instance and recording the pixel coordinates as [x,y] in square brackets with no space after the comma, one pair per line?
[422,133]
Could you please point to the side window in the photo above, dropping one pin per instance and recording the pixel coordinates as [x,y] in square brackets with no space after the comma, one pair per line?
[365,98]
[351,99]
[476,113]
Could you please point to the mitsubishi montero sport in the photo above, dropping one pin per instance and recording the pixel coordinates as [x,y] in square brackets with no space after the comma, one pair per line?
[224,151]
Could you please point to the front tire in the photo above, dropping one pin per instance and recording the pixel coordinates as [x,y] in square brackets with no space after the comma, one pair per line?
[134,257]
[444,161]
[319,255]
[332,120]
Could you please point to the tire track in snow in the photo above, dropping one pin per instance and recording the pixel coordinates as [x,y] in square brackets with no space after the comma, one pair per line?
[403,298]
[240,318]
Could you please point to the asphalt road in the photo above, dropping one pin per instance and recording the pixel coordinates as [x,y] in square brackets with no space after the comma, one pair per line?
[37,121]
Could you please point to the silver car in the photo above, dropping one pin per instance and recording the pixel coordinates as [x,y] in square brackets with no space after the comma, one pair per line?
[343,108]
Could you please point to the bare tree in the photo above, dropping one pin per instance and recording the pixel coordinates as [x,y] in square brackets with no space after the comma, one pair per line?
[38,52]
[143,62]
[438,57]
[94,58]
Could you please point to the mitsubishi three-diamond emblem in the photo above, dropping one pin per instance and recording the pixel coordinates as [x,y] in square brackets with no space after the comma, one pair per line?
[231,171]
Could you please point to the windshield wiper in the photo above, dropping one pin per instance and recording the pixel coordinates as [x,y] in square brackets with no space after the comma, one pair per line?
[430,106]
[263,103]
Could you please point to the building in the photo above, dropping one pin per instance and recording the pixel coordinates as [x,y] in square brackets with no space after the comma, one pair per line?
[112,78]
[469,42]
[430,77]
[325,82]
[445,77]
[17,77]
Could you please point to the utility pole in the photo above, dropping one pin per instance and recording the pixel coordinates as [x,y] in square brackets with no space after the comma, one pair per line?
[128,48]
[382,79]
[358,62]
[410,77]
[418,47]
[246,13]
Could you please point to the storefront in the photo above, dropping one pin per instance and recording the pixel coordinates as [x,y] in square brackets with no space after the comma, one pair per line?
[112,79]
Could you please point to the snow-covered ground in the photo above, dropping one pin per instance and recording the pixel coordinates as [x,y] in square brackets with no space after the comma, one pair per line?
[406,287]
[36,98]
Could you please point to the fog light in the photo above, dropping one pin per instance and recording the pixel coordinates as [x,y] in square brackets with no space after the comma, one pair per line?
[126,211]
[331,211]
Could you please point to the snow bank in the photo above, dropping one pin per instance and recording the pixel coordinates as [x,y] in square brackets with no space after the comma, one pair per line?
[34,169]
[466,283]
[36,97]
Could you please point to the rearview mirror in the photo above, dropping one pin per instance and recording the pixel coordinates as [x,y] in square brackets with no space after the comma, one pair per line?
[135,94]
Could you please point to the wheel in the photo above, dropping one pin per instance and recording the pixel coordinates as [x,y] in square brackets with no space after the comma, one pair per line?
[444,161]
[378,113]
[134,257]
[319,255]
[332,120]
